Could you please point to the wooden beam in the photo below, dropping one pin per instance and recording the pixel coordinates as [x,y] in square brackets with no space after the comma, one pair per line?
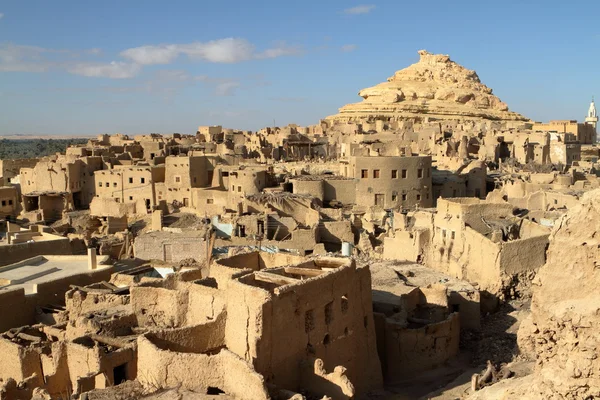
[304,271]
[274,278]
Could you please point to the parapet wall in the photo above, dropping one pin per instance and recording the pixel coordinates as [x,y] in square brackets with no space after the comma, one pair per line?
[16,252]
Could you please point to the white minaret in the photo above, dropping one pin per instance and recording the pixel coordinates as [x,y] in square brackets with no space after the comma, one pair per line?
[592,116]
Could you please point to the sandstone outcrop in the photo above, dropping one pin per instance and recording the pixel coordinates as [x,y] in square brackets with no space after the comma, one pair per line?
[434,87]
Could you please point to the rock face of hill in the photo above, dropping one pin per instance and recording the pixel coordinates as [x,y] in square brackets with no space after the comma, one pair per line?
[434,87]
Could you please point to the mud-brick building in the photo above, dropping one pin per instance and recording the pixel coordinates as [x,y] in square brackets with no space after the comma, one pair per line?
[9,205]
[302,319]
[391,181]
[56,185]
[12,168]
[131,184]
[182,175]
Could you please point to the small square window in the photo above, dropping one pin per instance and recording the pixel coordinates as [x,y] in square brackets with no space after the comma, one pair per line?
[107,184]
[130,180]
[130,197]
[10,203]
[114,184]
[364,173]
[404,197]
[394,197]
[209,201]
[394,173]
[419,173]
[177,179]
[239,188]
[3,203]
[142,180]
[118,200]
[404,174]
[375,173]
[418,197]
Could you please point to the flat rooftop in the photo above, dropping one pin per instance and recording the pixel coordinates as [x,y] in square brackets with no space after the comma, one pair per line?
[25,274]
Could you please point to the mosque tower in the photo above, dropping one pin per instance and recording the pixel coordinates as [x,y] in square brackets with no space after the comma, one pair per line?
[592,116]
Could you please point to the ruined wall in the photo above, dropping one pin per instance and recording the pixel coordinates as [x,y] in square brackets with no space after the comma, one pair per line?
[8,201]
[409,352]
[202,338]
[562,332]
[327,317]
[11,168]
[159,307]
[336,232]
[18,362]
[160,368]
[523,255]
[53,291]
[15,309]
[407,245]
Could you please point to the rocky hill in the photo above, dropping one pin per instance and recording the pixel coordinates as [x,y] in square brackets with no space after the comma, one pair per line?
[436,87]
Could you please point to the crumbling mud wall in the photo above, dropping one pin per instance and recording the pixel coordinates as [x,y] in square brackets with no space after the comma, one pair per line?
[562,331]
[16,309]
[410,351]
[159,368]
[326,317]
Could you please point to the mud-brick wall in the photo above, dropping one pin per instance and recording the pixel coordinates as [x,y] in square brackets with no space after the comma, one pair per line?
[21,251]
[482,261]
[201,338]
[165,369]
[18,362]
[15,309]
[523,255]
[53,292]
[343,190]
[408,352]
[328,317]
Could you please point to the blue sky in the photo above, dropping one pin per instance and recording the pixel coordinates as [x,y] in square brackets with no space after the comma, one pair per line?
[82,67]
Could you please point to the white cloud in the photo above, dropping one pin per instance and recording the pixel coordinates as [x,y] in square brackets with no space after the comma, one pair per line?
[362,9]
[149,55]
[230,50]
[226,51]
[349,47]
[114,70]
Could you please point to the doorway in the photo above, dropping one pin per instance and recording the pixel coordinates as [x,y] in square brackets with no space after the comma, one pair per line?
[168,251]
[120,374]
